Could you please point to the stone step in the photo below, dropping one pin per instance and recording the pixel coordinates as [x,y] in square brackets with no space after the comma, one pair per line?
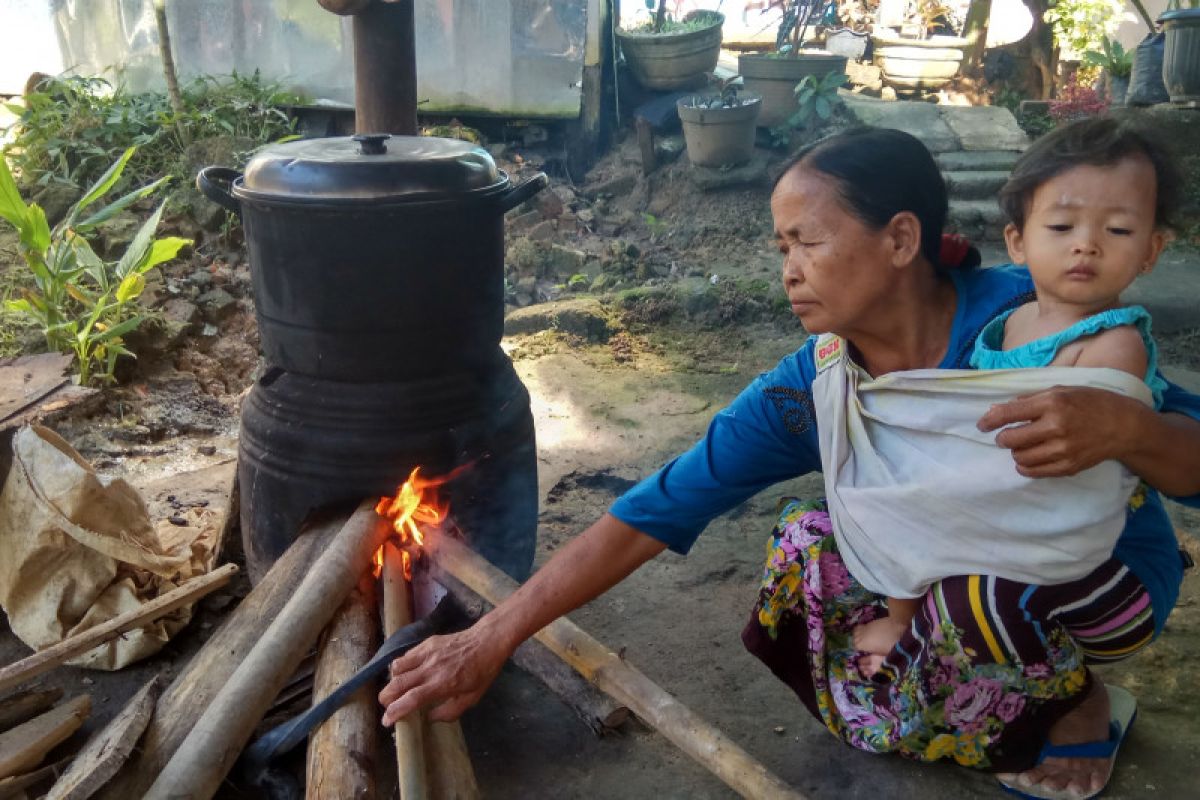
[986,160]
[978,220]
[971,184]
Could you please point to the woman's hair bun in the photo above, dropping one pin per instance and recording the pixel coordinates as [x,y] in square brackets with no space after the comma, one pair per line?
[957,252]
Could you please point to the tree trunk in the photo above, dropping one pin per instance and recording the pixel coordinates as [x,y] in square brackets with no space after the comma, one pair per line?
[975,31]
[168,60]
[1041,46]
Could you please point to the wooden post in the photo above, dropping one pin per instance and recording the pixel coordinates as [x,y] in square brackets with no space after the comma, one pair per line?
[645,136]
[410,744]
[192,691]
[218,736]
[610,673]
[342,751]
[385,69]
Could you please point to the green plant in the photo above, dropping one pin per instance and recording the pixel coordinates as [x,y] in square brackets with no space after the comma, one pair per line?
[71,129]
[1081,25]
[1112,58]
[83,304]
[816,100]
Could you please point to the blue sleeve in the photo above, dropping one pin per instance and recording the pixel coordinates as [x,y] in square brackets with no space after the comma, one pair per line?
[767,435]
[1182,402]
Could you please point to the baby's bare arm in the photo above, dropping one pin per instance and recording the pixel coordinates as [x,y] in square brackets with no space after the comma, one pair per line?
[1117,348]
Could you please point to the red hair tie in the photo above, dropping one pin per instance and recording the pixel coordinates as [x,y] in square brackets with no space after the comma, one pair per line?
[955,248]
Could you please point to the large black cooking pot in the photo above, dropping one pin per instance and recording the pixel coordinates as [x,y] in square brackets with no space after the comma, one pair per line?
[374,255]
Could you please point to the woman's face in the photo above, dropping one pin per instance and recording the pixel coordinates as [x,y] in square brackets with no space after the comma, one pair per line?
[837,272]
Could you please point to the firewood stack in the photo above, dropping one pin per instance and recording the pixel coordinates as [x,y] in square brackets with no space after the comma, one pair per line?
[322,594]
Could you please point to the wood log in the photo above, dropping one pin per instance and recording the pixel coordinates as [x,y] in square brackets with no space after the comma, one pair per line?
[611,674]
[107,750]
[451,776]
[25,705]
[409,732]
[192,691]
[54,655]
[598,711]
[218,736]
[14,787]
[342,751]
[24,747]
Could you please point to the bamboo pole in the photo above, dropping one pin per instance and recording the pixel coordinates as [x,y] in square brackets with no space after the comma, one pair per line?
[451,775]
[342,751]
[218,736]
[46,660]
[614,676]
[410,745]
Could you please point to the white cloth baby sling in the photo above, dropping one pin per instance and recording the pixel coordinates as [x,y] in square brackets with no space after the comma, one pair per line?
[917,493]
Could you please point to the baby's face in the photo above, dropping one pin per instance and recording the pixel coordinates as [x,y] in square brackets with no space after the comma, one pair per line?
[1089,232]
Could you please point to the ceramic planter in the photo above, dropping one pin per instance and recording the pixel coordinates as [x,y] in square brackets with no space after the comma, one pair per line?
[774,79]
[669,61]
[718,136]
[915,65]
[1181,59]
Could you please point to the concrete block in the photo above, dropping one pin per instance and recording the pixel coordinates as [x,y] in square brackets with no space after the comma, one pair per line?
[922,120]
[984,127]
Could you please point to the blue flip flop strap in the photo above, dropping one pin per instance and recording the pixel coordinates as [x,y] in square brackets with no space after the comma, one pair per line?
[1087,750]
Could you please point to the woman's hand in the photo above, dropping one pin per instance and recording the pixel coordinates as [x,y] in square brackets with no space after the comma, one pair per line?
[451,673]
[1065,430]
[1062,431]
[447,673]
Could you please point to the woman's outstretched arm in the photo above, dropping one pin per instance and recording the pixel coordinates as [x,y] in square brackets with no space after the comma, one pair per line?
[450,673]
[1064,430]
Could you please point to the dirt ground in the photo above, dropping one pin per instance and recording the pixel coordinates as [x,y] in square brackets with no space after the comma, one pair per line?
[608,411]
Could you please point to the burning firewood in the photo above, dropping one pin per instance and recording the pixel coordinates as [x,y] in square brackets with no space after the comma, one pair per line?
[613,675]
[342,751]
[216,740]
[410,739]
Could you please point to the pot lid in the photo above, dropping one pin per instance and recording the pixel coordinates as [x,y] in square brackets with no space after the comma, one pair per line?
[371,167]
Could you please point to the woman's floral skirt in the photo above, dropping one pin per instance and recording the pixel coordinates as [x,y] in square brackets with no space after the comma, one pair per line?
[984,670]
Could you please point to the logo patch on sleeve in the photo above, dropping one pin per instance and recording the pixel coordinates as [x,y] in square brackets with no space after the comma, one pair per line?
[828,351]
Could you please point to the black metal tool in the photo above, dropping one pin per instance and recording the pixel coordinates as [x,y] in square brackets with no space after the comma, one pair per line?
[256,760]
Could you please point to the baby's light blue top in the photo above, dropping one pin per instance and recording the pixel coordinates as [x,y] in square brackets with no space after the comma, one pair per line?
[989,352]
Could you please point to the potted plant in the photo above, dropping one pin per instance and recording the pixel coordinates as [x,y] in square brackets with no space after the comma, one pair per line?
[774,76]
[925,54]
[719,129]
[666,54]
[1181,58]
[1117,63]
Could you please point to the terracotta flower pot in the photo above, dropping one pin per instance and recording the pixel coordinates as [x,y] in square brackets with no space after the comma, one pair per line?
[774,78]
[716,135]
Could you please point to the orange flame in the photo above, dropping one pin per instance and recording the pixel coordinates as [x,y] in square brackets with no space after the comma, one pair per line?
[416,503]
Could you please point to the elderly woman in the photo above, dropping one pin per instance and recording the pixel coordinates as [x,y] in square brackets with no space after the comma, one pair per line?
[994,670]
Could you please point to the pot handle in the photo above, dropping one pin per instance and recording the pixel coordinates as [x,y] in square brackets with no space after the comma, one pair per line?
[211,182]
[523,191]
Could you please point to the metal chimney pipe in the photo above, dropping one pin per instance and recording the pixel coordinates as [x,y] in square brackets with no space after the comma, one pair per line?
[385,68]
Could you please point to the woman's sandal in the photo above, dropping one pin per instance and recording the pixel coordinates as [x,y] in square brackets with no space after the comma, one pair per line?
[1121,716]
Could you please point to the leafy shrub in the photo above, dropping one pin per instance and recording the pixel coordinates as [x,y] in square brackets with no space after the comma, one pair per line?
[1075,101]
[83,304]
[71,129]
